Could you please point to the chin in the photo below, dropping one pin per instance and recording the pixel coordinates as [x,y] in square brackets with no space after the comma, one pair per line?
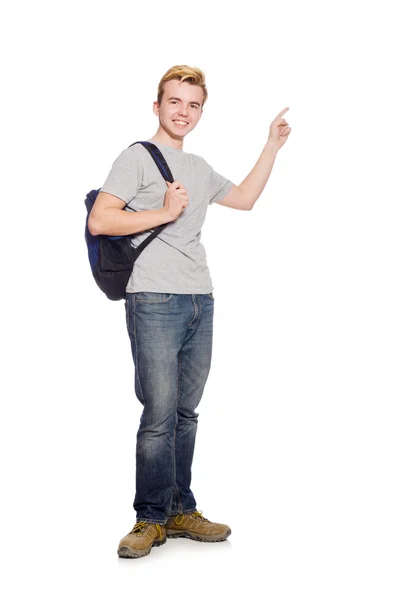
[177,135]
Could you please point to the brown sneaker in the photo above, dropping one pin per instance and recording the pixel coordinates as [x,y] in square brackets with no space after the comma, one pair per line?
[196,527]
[140,540]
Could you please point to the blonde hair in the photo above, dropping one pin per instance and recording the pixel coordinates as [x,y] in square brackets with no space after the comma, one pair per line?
[192,75]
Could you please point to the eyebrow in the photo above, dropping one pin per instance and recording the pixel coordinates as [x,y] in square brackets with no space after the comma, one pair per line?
[193,102]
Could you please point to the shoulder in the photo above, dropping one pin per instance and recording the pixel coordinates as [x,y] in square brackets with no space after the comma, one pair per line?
[132,158]
[134,152]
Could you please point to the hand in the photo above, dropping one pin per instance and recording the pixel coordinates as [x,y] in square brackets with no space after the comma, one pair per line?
[175,199]
[279,130]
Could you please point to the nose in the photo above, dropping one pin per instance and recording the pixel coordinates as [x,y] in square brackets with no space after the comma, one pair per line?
[183,109]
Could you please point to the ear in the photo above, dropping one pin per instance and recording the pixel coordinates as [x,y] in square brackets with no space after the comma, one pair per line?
[156,107]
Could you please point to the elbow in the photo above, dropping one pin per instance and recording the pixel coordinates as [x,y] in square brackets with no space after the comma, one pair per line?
[94,226]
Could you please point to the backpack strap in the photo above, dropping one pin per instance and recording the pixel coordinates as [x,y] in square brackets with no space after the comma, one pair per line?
[158,158]
[164,169]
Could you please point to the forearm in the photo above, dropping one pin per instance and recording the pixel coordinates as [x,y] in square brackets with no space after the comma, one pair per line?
[114,221]
[253,184]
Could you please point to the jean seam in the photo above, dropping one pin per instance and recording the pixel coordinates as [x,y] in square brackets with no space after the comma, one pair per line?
[127,311]
[189,512]
[194,316]
[177,403]
[136,354]
[155,301]
[152,522]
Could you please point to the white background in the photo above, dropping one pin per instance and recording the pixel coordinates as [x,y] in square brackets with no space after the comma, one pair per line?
[296,445]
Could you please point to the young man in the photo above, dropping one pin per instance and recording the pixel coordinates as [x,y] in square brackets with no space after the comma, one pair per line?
[169,301]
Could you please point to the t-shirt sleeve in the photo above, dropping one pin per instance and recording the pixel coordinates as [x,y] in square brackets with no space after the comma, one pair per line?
[218,186]
[125,177]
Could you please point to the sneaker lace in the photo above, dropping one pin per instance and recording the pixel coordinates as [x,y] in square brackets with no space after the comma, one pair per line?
[141,526]
[199,514]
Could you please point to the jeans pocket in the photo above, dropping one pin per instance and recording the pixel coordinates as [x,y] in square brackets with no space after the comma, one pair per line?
[152,297]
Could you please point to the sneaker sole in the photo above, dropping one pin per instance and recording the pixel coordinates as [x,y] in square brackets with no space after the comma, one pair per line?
[126,552]
[173,533]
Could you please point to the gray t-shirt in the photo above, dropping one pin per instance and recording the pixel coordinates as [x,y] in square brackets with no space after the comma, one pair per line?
[175,261]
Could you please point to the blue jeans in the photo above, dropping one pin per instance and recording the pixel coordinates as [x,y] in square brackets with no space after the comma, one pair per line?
[171,343]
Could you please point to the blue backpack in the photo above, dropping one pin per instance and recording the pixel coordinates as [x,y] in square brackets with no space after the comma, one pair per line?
[112,258]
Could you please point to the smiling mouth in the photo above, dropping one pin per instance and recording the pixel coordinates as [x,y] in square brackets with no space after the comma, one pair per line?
[180,123]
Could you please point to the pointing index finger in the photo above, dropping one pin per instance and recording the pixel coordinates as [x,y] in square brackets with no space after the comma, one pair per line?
[282,112]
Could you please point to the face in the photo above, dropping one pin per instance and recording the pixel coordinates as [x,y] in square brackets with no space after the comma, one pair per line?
[181,101]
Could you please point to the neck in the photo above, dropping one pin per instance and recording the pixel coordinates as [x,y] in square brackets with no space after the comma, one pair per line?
[163,138]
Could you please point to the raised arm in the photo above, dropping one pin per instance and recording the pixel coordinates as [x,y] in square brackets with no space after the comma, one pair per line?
[244,196]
